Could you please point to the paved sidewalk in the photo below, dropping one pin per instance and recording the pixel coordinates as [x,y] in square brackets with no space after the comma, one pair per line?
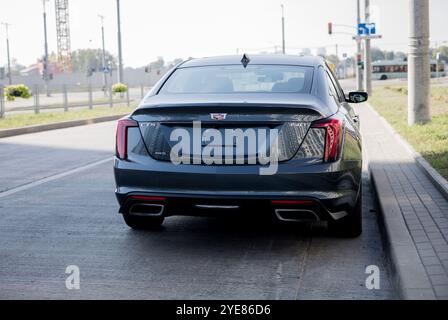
[415,213]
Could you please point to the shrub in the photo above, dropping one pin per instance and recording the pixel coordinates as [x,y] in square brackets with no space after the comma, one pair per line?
[17,91]
[119,88]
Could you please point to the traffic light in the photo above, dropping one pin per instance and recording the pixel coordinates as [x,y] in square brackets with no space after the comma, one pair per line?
[330,28]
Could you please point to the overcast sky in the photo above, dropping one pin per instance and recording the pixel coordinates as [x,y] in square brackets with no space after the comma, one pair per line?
[183,28]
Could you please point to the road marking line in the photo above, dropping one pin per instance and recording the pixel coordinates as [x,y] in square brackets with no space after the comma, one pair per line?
[52,178]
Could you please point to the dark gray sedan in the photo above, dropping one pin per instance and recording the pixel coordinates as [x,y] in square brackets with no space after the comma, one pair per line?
[270,134]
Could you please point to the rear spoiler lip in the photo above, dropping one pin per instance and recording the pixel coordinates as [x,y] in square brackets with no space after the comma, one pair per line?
[228,107]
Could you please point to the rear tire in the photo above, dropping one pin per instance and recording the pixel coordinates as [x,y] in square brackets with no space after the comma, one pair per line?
[383,77]
[143,223]
[351,225]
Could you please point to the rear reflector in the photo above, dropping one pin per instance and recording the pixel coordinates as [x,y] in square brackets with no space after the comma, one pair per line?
[145,198]
[333,137]
[292,202]
[122,137]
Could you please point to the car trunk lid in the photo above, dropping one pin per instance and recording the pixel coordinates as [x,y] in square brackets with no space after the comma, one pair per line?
[291,121]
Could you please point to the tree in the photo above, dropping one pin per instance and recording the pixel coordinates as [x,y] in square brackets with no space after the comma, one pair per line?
[86,59]
[173,63]
[16,67]
[158,64]
[377,54]
[389,55]
[332,58]
[400,55]
[443,50]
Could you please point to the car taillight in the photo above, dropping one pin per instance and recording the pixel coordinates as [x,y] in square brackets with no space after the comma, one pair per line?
[333,137]
[122,137]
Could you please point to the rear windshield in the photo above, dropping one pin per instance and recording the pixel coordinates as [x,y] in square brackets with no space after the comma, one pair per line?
[237,79]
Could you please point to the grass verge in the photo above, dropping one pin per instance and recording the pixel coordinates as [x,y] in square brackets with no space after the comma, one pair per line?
[28,119]
[430,140]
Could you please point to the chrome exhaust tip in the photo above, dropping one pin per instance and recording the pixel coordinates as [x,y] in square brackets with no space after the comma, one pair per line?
[296,215]
[146,209]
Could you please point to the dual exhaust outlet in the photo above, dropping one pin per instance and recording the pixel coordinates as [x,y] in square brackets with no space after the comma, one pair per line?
[147,210]
[283,214]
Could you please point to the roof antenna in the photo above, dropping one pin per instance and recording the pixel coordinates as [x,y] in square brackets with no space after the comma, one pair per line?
[245,60]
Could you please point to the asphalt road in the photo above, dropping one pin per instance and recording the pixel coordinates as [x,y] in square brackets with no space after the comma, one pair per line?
[57,208]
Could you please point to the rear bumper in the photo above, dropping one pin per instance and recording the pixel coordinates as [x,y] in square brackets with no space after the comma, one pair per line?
[333,188]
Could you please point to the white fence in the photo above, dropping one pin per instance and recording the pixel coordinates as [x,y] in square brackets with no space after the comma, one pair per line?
[65,98]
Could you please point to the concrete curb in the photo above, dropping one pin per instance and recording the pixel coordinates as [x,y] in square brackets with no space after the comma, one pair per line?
[438,181]
[57,125]
[407,270]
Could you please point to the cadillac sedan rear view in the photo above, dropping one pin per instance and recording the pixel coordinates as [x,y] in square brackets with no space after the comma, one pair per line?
[233,134]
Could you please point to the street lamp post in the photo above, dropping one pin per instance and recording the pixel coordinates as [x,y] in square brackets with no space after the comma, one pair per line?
[359,52]
[7,51]
[368,55]
[120,53]
[45,69]
[283,30]
[418,63]
[103,58]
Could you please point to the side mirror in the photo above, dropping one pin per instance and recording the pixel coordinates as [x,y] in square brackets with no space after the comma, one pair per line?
[357,97]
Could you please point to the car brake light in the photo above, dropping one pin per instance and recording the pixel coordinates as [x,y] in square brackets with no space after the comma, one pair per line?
[122,137]
[333,138]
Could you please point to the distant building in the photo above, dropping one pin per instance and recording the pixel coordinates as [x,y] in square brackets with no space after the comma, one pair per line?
[38,69]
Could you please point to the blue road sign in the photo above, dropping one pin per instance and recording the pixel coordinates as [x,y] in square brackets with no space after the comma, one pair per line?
[366,29]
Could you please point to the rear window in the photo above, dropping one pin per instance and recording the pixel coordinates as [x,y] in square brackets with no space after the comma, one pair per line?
[237,79]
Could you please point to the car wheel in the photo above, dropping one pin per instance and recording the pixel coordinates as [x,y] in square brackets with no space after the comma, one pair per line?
[383,77]
[143,223]
[351,225]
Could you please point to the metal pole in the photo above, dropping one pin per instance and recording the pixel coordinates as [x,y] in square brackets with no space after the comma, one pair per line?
[418,63]
[2,103]
[7,52]
[103,58]
[359,55]
[120,52]
[368,55]
[128,100]
[91,95]
[336,65]
[283,30]
[111,98]
[142,91]
[65,98]
[36,100]
[45,69]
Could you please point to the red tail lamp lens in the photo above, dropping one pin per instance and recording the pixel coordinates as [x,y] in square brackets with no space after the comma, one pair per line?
[122,137]
[333,137]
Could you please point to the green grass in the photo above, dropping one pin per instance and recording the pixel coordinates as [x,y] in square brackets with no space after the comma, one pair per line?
[30,119]
[430,140]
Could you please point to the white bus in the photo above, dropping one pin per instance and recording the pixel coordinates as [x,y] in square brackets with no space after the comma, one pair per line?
[397,69]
